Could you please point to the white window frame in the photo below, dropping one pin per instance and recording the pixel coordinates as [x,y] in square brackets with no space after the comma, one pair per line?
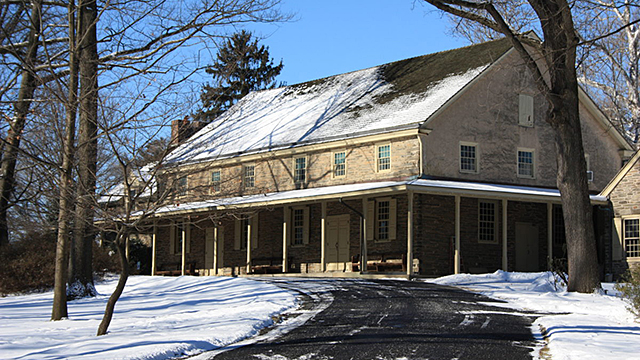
[483,222]
[334,165]
[379,162]
[299,226]
[300,176]
[248,181]
[525,110]
[216,184]
[625,237]
[373,219]
[533,163]
[476,157]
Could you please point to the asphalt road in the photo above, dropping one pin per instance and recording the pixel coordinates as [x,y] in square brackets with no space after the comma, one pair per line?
[389,319]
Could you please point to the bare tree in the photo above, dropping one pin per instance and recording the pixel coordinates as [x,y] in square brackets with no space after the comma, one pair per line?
[28,82]
[552,62]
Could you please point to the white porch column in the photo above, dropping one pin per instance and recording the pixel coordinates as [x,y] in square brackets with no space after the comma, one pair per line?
[410,233]
[456,256]
[549,235]
[153,249]
[126,247]
[365,236]
[505,256]
[285,238]
[183,236]
[323,237]
[249,228]
[215,250]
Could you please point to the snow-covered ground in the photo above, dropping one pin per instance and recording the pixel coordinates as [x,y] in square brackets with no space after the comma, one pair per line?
[156,318]
[162,317]
[576,326]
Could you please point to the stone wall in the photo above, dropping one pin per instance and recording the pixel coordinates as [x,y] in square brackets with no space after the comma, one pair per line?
[274,174]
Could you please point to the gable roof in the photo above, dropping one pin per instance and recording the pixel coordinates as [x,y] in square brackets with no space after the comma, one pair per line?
[620,175]
[395,96]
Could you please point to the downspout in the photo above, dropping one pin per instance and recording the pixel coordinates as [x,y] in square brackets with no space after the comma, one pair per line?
[362,266]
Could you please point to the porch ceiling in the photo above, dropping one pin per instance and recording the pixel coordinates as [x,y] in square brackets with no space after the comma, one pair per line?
[425,186]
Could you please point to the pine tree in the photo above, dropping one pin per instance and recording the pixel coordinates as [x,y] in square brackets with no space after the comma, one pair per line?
[242,66]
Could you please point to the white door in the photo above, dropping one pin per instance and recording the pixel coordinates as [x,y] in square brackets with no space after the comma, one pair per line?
[526,247]
[338,243]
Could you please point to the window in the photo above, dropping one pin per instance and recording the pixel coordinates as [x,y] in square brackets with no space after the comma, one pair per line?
[384,157]
[468,158]
[242,229]
[382,220]
[632,237]
[175,239]
[339,164]
[249,176]
[215,181]
[559,236]
[244,225]
[487,222]
[525,111]
[526,163]
[298,226]
[300,171]
[178,238]
[181,186]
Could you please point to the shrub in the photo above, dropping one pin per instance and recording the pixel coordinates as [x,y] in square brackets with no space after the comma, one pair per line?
[629,289]
[28,264]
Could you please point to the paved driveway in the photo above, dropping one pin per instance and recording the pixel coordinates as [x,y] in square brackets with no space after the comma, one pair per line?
[393,319]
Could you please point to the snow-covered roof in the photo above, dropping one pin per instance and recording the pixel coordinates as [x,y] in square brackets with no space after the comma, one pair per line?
[142,179]
[510,192]
[381,99]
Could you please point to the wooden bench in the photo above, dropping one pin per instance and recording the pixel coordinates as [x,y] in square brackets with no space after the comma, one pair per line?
[175,269]
[382,262]
[266,265]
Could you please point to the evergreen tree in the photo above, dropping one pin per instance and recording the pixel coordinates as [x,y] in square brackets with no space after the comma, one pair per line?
[242,66]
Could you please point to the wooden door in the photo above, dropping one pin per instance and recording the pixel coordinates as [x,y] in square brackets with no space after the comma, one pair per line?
[527,247]
[338,243]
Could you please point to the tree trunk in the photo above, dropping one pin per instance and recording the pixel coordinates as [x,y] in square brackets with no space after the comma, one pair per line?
[559,50]
[65,211]
[122,281]
[28,86]
[81,280]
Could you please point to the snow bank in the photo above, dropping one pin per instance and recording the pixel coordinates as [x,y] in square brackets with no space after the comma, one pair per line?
[156,318]
[574,326]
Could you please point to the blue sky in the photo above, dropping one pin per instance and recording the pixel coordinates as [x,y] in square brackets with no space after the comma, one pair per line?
[330,37]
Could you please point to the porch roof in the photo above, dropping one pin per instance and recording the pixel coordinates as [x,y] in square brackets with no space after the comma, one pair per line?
[427,186]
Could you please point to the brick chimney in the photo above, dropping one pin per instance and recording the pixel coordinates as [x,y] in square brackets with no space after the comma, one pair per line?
[183,129]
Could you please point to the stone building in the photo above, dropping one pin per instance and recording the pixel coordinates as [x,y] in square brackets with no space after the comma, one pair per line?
[624,193]
[428,166]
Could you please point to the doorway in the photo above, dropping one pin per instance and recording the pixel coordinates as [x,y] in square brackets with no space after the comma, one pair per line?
[527,247]
[337,243]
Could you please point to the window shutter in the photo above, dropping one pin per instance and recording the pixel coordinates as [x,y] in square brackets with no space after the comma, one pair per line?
[526,110]
[617,237]
[370,216]
[393,209]
[305,229]
[237,233]
[187,236]
[254,231]
[172,238]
